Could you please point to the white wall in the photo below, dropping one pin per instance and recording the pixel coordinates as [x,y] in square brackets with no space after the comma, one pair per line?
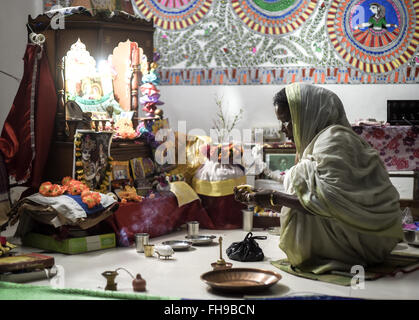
[13,35]
[196,104]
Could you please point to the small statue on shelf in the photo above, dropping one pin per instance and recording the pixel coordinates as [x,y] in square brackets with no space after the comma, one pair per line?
[129,194]
[124,129]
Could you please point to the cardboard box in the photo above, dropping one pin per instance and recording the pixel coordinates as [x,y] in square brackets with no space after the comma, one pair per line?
[71,245]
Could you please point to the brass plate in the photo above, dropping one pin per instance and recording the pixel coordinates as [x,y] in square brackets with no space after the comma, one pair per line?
[240,279]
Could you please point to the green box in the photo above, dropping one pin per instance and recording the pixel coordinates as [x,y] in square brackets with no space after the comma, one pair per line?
[71,245]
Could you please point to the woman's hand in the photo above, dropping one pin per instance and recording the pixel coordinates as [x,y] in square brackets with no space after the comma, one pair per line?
[263,198]
[245,194]
[249,196]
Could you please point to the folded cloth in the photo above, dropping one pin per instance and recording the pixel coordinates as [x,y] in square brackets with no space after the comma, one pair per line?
[55,212]
[369,122]
[71,207]
[183,192]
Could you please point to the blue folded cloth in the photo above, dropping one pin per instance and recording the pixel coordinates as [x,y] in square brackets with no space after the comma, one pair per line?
[88,211]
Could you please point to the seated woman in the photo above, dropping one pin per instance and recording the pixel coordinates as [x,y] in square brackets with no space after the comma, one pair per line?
[340,208]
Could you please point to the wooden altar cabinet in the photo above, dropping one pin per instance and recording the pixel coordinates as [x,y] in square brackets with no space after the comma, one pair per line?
[101,34]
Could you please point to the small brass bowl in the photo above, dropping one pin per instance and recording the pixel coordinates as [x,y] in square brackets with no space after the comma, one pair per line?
[149,250]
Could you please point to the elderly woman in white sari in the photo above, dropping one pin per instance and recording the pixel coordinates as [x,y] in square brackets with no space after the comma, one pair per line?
[340,208]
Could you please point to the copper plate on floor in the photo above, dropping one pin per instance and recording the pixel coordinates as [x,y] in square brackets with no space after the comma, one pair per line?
[240,279]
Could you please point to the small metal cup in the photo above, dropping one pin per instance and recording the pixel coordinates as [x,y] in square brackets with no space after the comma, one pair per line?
[141,239]
[193,228]
[247,220]
[148,250]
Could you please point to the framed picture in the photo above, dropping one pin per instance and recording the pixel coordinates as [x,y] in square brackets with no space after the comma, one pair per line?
[142,167]
[91,158]
[120,170]
[279,161]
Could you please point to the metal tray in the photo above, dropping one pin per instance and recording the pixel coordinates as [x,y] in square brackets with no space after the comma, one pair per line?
[178,245]
[411,236]
[200,239]
[240,280]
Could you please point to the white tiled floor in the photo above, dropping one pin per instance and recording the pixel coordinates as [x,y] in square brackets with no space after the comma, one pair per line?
[179,277]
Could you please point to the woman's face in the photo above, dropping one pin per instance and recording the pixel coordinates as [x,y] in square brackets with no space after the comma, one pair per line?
[374,9]
[283,114]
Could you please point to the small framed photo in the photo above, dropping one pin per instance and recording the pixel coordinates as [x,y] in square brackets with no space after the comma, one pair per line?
[142,167]
[126,115]
[120,170]
[280,161]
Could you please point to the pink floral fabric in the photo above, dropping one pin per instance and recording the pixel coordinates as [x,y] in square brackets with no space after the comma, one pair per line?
[398,146]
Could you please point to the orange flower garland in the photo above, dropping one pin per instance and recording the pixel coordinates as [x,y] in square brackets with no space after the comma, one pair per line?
[48,189]
[92,199]
[73,187]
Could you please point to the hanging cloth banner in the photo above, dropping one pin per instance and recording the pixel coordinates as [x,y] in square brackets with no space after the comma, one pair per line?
[28,129]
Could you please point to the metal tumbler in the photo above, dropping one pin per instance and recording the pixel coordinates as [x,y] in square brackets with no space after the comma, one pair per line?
[193,228]
[140,240]
[247,220]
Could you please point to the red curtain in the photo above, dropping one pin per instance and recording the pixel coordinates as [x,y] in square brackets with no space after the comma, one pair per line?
[28,129]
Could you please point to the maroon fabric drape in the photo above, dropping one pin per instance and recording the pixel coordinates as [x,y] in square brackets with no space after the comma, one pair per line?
[157,217]
[224,212]
[27,131]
